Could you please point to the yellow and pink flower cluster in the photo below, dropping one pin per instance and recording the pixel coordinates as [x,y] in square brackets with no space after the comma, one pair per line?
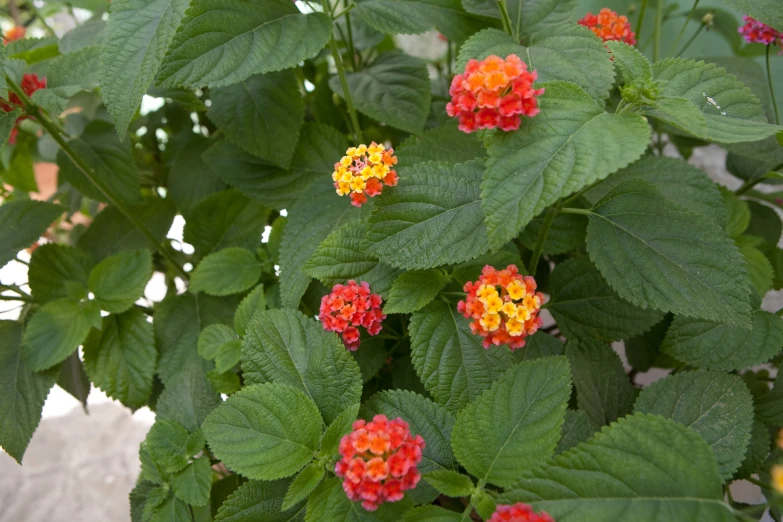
[364,171]
[608,25]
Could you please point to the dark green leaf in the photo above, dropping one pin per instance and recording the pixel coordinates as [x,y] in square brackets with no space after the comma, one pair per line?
[528,16]
[577,429]
[254,301]
[212,338]
[190,180]
[445,144]
[450,482]
[193,484]
[328,503]
[187,399]
[255,501]
[167,442]
[330,440]
[53,268]
[413,290]
[228,271]
[56,331]
[67,75]
[304,484]
[22,223]
[119,281]
[418,16]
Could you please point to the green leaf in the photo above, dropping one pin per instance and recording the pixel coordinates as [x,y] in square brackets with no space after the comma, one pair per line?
[120,358]
[212,338]
[222,44]
[532,168]
[738,213]
[515,424]
[413,290]
[394,89]
[760,271]
[680,113]
[450,359]
[764,223]
[656,254]
[445,144]
[330,440]
[340,257]
[328,503]
[425,418]
[193,484]
[566,233]
[418,16]
[732,112]
[110,160]
[225,272]
[304,484]
[721,346]
[53,268]
[577,428]
[676,180]
[67,75]
[285,347]
[584,305]
[73,379]
[644,351]
[603,390]
[262,115]
[172,510]
[769,407]
[134,43]
[632,64]
[716,405]
[226,219]
[265,431]
[20,173]
[254,301]
[23,390]
[55,332]
[187,399]
[22,223]
[167,443]
[432,218]
[119,281]
[88,34]
[228,356]
[644,468]
[540,345]
[758,450]
[255,501]
[432,513]
[571,54]
[7,122]
[769,12]
[33,50]
[527,16]
[190,180]
[450,482]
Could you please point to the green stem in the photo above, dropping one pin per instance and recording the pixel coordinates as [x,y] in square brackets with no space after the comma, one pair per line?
[550,217]
[21,261]
[690,40]
[772,89]
[15,298]
[684,27]
[449,59]
[640,20]
[92,176]
[338,63]
[351,48]
[759,483]
[344,11]
[41,19]
[749,185]
[658,30]
[504,15]
[575,211]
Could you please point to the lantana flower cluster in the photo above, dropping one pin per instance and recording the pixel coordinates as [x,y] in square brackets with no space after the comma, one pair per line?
[519,512]
[30,84]
[758,32]
[364,171]
[776,471]
[608,25]
[504,306]
[13,34]
[348,306]
[379,460]
[493,93]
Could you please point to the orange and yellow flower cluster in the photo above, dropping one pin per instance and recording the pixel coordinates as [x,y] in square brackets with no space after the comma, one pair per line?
[504,306]
[349,306]
[379,460]
[30,84]
[13,34]
[363,171]
[519,512]
[607,25]
[493,93]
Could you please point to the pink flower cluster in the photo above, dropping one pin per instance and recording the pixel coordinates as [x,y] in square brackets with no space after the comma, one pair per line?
[349,306]
[757,32]
[519,512]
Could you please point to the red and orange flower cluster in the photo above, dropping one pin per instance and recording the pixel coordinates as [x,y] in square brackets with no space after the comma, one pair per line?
[504,316]
[757,32]
[607,25]
[379,460]
[519,512]
[363,171]
[493,93]
[13,34]
[349,306]
[30,84]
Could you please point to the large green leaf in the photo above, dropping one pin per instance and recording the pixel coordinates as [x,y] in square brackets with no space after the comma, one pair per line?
[432,218]
[445,144]
[24,392]
[224,43]
[450,359]
[262,115]
[284,346]
[256,500]
[721,346]
[267,431]
[193,484]
[516,423]
[572,54]
[394,89]
[340,258]
[768,11]
[120,358]
[644,468]
[717,405]
[187,399]
[418,16]
[528,16]
[304,484]
[55,268]
[577,428]
[167,443]
[732,112]
[67,75]
[56,331]
[135,40]
[413,290]
[190,179]
[225,272]
[88,34]
[584,305]
[425,418]
[328,503]
[22,223]
[119,281]
[603,390]
[656,254]
[532,168]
